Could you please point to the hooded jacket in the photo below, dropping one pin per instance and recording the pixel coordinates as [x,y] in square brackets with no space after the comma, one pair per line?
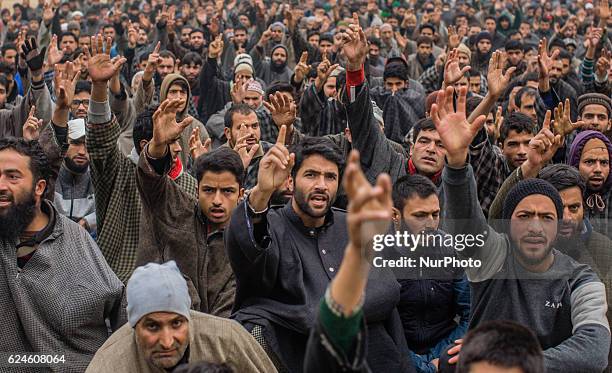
[184,141]
[265,68]
[598,203]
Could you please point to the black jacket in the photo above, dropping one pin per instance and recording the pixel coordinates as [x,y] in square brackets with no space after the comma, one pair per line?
[282,270]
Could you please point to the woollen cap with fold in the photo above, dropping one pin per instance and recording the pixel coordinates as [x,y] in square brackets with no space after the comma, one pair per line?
[157,288]
[529,187]
[594,99]
[462,48]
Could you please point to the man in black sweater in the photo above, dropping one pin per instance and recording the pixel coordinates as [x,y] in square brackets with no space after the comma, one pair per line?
[521,276]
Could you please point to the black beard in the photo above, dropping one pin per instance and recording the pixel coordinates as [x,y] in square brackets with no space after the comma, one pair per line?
[302,203]
[279,198]
[17,218]
[278,66]
[77,169]
[534,261]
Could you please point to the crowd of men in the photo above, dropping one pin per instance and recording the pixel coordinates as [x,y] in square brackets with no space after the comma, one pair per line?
[195,186]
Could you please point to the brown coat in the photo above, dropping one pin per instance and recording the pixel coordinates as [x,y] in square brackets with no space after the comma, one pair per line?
[212,339]
[179,232]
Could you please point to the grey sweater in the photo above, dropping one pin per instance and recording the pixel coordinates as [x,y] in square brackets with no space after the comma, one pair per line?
[564,306]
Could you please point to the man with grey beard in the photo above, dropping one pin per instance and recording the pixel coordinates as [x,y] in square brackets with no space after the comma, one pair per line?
[58,293]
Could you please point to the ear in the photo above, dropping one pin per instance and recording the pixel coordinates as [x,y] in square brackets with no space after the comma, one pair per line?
[228,134]
[240,194]
[39,188]
[396,215]
[143,143]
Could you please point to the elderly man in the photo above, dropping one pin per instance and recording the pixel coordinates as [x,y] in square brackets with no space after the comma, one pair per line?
[164,333]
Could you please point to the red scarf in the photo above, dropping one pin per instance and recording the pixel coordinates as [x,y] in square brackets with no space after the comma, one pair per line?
[177,169]
[412,171]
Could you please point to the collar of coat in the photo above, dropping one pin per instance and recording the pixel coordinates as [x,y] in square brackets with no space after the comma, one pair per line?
[48,209]
[294,219]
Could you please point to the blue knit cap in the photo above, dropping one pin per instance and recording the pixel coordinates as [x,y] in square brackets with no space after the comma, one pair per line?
[157,288]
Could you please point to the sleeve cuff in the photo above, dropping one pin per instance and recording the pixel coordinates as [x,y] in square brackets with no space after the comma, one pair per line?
[99,112]
[355,78]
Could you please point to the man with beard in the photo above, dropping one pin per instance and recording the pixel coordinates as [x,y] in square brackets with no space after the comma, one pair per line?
[162,333]
[74,191]
[376,150]
[274,70]
[243,134]
[522,277]
[389,46]
[562,89]
[423,59]
[45,260]
[578,238]
[376,64]
[250,93]
[191,66]
[195,43]
[482,55]
[183,227]
[590,153]
[430,299]
[285,258]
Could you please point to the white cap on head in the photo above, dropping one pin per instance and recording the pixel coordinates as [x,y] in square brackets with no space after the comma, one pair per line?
[76,129]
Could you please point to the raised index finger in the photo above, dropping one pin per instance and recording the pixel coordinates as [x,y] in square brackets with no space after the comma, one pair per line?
[281,135]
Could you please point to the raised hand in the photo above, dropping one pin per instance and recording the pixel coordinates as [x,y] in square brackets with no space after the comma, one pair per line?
[275,166]
[456,133]
[453,37]
[265,37]
[101,68]
[497,80]
[216,47]
[33,57]
[48,12]
[499,119]
[241,146]
[355,46]
[65,81]
[369,208]
[283,111]
[452,72]
[603,65]
[562,124]
[238,91]
[32,126]
[324,70]
[604,11]
[54,54]
[152,63]
[165,127]
[542,148]
[545,61]
[132,35]
[302,68]
[196,148]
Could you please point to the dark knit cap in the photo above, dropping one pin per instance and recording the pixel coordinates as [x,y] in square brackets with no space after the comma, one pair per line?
[526,188]
[594,99]
[483,35]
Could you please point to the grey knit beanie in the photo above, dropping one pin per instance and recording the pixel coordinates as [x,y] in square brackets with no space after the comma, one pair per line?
[157,288]
[526,188]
